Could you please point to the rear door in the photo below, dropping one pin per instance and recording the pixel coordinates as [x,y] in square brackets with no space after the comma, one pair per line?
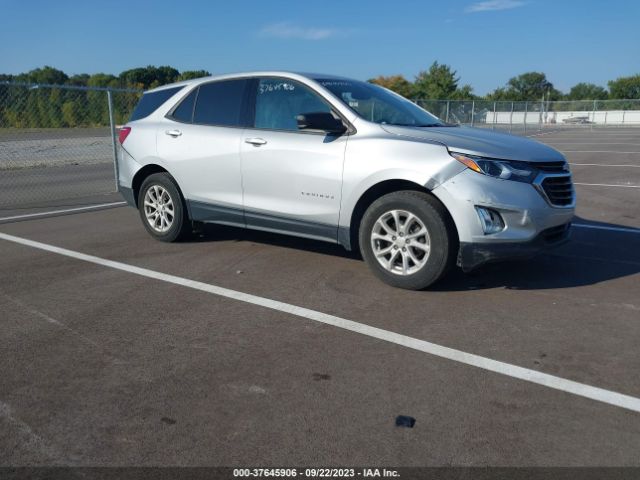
[292,178]
[200,143]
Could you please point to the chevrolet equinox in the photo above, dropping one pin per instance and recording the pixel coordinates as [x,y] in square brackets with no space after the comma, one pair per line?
[343,161]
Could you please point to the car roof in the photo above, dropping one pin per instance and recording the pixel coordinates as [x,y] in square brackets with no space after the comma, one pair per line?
[229,76]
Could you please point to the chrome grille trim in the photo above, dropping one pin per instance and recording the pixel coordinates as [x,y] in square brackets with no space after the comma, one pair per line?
[557,189]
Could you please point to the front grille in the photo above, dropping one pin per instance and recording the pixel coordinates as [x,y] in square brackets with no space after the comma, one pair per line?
[559,190]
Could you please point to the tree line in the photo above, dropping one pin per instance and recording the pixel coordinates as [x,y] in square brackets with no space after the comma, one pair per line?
[440,82]
[22,107]
[142,78]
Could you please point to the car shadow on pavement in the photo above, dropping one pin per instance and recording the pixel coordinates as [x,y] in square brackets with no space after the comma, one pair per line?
[592,255]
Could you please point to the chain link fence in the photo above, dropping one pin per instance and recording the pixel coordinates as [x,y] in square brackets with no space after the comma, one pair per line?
[519,117]
[57,142]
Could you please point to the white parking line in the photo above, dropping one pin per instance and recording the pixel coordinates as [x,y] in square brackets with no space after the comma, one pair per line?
[603,165]
[607,185]
[68,210]
[542,134]
[553,142]
[595,151]
[514,371]
[602,227]
[606,139]
[592,133]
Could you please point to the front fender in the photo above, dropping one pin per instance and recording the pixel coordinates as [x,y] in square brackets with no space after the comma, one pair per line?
[350,198]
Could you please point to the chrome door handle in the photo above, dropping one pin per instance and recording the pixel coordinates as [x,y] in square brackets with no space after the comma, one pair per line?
[173,133]
[256,142]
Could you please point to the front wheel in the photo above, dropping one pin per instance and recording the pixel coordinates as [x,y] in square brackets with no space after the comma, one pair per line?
[408,240]
[162,208]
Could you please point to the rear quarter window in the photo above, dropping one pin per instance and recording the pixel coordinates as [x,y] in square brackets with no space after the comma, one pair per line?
[151,101]
[184,111]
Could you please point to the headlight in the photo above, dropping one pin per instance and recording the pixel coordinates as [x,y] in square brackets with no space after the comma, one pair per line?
[504,169]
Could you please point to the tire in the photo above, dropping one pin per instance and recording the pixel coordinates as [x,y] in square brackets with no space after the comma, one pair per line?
[162,209]
[408,239]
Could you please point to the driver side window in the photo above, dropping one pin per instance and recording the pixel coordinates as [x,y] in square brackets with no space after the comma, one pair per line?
[279,101]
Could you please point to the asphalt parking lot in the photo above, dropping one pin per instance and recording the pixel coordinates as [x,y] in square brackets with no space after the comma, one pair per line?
[138,355]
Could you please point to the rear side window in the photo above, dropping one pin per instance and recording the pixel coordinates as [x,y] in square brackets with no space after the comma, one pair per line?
[220,103]
[150,102]
[184,111]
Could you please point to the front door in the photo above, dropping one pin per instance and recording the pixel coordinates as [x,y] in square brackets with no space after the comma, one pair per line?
[292,179]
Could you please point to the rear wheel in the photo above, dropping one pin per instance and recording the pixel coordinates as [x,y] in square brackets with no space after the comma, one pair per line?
[162,208]
[407,239]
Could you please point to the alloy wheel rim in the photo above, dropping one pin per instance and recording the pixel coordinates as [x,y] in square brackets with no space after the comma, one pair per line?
[400,242]
[158,208]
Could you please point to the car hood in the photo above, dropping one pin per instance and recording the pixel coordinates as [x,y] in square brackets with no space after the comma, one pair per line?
[481,142]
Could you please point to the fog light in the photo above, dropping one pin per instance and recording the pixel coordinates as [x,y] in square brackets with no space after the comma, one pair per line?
[490,219]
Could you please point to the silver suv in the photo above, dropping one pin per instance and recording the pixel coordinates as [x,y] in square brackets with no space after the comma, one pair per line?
[343,161]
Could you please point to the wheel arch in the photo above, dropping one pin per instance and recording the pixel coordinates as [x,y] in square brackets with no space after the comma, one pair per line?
[150,169]
[143,173]
[348,237]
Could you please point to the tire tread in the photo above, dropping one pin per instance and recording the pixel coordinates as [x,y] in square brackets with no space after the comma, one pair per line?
[182,223]
[438,215]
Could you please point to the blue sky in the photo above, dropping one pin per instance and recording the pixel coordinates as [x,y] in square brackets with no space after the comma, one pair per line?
[486,41]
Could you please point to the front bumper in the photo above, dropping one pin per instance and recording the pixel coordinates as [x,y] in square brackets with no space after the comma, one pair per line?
[531,222]
[473,255]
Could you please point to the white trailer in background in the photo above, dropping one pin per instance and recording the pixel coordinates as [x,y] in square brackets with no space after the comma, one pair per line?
[598,117]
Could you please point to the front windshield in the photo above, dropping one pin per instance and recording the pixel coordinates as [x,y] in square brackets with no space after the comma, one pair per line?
[378,104]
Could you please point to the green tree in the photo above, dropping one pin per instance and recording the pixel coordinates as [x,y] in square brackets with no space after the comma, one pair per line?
[625,87]
[499,94]
[149,77]
[69,114]
[102,80]
[527,86]
[45,74]
[79,80]
[464,93]
[51,108]
[97,110]
[396,83]
[191,74]
[438,83]
[587,91]
[57,107]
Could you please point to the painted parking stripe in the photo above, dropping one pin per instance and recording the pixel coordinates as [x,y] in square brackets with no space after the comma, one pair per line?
[602,227]
[58,212]
[542,134]
[603,165]
[560,143]
[514,371]
[591,133]
[607,185]
[599,151]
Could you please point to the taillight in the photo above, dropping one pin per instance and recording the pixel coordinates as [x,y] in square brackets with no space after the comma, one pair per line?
[124,133]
